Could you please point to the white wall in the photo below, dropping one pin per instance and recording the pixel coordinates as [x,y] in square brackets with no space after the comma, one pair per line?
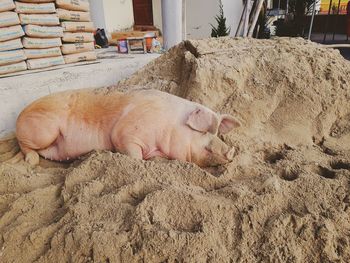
[112,15]
[119,14]
[157,13]
[200,13]
[97,13]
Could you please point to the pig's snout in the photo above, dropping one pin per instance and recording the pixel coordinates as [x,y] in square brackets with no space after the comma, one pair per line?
[230,154]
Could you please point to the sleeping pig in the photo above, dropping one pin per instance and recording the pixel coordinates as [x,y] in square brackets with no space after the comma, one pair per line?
[142,124]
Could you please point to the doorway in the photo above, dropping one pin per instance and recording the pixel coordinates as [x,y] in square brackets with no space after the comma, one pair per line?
[143,12]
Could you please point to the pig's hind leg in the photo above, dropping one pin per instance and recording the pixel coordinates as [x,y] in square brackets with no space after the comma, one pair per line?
[34,136]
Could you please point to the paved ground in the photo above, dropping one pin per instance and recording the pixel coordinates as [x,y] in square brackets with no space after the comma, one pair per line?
[18,91]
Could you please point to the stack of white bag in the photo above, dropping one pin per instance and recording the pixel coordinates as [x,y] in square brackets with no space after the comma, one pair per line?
[78,37]
[43,33]
[11,53]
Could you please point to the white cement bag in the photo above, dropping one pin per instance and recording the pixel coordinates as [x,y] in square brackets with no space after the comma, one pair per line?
[75,5]
[77,48]
[37,1]
[8,19]
[78,37]
[73,15]
[29,42]
[13,68]
[86,56]
[12,32]
[39,19]
[43,31]
[78,26]
[44,62]
[11,44]
[26,8]
[10,57]
[42,53]
[6,5]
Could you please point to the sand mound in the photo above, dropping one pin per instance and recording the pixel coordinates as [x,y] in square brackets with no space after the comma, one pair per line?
[285,197]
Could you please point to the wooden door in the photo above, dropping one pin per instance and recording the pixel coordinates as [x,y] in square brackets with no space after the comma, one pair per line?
[143,12]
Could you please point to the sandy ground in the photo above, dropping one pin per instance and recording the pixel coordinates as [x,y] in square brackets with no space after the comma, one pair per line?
[284,198]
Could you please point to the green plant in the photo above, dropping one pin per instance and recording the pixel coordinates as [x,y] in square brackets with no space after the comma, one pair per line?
[221,29]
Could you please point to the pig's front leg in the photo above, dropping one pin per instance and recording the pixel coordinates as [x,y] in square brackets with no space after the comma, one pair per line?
[133,150]
[130,149]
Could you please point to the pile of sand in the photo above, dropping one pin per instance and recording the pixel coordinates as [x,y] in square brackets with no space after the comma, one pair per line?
[284,198]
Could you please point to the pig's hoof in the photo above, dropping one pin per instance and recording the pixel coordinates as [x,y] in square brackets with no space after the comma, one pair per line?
[32,158]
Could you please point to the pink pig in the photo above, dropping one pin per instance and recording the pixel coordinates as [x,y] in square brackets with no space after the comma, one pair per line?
[142,124]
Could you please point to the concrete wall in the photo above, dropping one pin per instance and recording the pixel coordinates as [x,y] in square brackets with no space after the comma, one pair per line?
[200,14]
[97,13]
[157,13]
[112,15]
[119,14]
[116,15]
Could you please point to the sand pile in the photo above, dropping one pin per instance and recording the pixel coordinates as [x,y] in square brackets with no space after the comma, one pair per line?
[285,197]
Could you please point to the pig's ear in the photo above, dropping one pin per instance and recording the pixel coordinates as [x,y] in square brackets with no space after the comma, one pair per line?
[203,121]
[228,123]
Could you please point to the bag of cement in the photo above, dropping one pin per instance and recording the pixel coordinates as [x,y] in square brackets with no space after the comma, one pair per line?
[8,19]
[37,1]
[39,19]
[11,32]
[73,15]
[75,5]
[77,48]
[44,62]
[43,31]
[78,37]
[13,56]
[78,26]
[29,42]
[11,44]
[86,56]
[13,68]
[26,8]
[6,5]
[43,53]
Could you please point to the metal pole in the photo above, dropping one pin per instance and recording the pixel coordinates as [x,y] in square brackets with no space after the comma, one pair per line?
[336,21]
[312,19]
[287,7]
[326,26]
